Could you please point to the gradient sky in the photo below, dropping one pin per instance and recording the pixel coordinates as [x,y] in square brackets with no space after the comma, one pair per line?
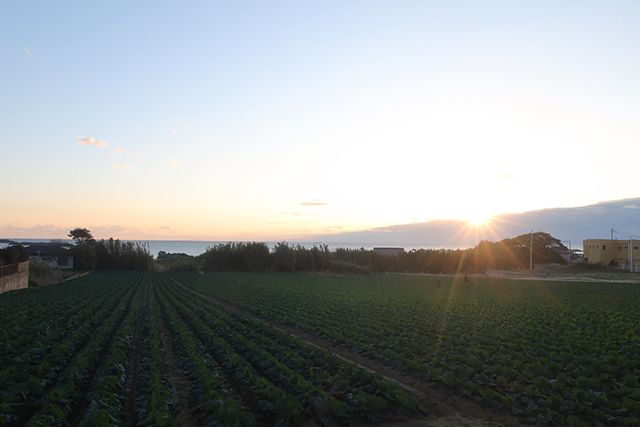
[274,120]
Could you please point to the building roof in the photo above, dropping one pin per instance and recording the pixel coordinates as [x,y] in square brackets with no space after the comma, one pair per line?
[39,249]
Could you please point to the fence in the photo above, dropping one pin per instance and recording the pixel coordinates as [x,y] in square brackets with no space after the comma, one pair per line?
[14,276]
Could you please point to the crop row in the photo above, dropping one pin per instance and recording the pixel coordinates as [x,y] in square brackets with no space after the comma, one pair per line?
[282,380]
[548,353]
[119,348]
[49,352]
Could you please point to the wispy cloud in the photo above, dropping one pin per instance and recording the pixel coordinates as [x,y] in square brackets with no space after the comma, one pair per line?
[631,207]
[90,140]
[315,202]
[26,51]
[117,150]
[121,166]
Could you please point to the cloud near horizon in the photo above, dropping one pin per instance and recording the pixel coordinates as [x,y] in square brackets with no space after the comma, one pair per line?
[47,230]
[51,231]
[90,140]
[121,166]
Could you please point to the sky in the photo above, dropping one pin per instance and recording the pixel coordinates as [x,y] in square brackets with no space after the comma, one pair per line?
[274,120]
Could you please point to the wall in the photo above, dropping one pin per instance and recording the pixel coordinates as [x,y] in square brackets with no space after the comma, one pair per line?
[616,251]
[14,276]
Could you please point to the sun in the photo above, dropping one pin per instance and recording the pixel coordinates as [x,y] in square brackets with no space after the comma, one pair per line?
[478,220]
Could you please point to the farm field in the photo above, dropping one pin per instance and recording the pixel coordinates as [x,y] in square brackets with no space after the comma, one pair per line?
[124,348]
[548,353]
[127,348]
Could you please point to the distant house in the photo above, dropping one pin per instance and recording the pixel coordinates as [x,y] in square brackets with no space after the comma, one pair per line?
[54,255]
[388,251]
[624,254]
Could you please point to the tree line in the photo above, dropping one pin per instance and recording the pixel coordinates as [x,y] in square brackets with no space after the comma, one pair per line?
[512,253]
[108,254]
[508,254]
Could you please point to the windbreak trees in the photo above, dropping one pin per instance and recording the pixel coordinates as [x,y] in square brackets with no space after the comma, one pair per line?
[110,254]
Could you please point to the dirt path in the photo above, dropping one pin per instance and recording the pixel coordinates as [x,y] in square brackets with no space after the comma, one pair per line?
[180,385]
[133,365]
[542,277]
[559,278]
[445,409]
[75,276]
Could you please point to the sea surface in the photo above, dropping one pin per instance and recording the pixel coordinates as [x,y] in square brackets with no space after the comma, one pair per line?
[197,247]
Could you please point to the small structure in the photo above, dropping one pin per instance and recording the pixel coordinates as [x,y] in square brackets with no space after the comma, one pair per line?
[14,276]
[54,255]
[624,254]
[388,251]
[163,255]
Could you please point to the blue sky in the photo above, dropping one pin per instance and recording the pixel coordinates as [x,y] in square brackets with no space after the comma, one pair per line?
[252,120]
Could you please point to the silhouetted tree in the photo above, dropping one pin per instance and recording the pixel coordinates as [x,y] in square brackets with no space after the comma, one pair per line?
[81,235]
[284,257]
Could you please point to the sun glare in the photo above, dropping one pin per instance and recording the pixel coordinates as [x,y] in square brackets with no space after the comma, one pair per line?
[478,220]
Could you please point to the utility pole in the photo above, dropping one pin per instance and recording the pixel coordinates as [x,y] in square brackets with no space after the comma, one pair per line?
[531,251]
[631,269]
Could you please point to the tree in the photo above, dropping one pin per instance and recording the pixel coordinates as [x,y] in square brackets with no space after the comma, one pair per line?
[85,256]
[284,257]
[81,235]
[13,254]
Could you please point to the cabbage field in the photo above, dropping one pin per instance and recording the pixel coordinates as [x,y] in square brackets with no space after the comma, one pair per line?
[132,348]
[125,348]
[548,353]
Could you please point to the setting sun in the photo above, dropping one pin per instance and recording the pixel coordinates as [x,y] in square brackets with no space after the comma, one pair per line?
[479,220]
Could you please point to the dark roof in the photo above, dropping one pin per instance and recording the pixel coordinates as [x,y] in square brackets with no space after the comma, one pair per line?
[48,249]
